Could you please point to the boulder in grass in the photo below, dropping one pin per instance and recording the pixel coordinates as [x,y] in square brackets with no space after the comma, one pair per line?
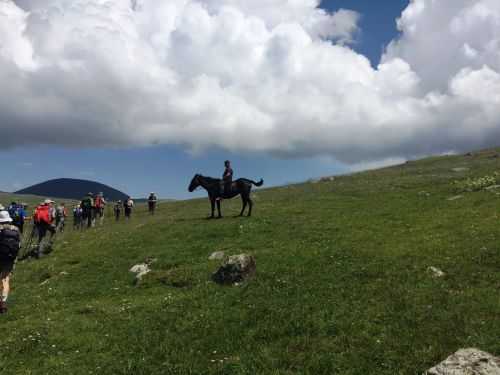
[235,269]
[140,271]
[435,272]
[467,362]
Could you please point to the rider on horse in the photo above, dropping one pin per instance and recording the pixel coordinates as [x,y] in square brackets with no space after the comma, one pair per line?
[227,178]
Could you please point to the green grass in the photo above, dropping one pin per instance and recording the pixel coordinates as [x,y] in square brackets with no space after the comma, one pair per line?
[342,285]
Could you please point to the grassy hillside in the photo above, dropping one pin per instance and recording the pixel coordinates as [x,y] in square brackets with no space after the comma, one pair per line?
[342,285]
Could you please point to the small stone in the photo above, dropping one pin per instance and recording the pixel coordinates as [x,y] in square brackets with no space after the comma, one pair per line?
[140,270]
[460,169]
[436,272]
[456,197]
[218,255]
[467,362]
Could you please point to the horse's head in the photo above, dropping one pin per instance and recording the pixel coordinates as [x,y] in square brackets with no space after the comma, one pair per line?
[194,183]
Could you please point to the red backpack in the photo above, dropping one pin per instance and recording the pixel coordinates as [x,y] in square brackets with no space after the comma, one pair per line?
[42,214]
[99,202]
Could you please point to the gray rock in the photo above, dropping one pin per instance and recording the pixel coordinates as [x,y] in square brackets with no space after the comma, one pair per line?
[460,169]
[467,362]
[493,187]
[456,197]
[218,255]
[435,272]
[140,270]
[235,269]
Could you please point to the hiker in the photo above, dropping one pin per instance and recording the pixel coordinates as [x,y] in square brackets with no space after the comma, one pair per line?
[87,205]
[18,215]
[152,203]
[77,217]
[99,204]
[128,204]
[61,214]
[10,243]
[43,219]
[227,178]
[118,210]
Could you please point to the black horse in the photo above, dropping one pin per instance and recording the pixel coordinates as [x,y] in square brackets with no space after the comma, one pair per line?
[215,190]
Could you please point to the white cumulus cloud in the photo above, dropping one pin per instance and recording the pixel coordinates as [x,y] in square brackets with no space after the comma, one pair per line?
[274,76]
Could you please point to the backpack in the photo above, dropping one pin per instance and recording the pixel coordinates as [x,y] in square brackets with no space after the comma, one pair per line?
[60,212]
[42,214]
[15,215]
[9,243]
[99,202]
[87,203]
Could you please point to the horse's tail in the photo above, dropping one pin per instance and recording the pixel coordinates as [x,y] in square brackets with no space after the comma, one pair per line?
[258,184]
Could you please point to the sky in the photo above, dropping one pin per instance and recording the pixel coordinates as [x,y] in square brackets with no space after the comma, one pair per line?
[141,94]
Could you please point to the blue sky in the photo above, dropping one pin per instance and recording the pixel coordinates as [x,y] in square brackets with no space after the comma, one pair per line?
[168,169]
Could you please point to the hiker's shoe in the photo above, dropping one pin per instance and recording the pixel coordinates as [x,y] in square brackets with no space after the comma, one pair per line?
[3,307]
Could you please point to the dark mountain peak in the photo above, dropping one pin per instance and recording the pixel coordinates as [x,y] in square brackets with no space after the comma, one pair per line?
[70,188]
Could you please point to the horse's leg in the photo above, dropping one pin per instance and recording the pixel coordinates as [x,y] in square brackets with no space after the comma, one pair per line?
[250,205]
[244,200]
[218,209]
[212,202]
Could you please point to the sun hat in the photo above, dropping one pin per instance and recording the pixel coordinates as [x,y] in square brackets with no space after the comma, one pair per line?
[4,217]
[48,201]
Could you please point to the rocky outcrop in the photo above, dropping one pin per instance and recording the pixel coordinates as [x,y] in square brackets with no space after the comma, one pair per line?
[467,362]
[235,269]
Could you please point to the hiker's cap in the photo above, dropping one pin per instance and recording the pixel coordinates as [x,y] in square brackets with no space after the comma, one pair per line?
[48,201]
[4,217]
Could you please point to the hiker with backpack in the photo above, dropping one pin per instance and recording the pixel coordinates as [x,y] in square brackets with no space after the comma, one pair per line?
[87,205]
[43,219]
[99,204]
[18,215]
[10,243]
[128,204]
[118,210]
[152,203]
[61,214]
[77,217]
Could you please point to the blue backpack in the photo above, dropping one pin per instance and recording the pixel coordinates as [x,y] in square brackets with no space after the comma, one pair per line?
[15,214]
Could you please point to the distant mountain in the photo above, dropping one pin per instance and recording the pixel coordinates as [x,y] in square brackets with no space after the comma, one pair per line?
[69,188]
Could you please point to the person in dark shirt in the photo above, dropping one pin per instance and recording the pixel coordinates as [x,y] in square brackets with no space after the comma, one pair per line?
[227,177]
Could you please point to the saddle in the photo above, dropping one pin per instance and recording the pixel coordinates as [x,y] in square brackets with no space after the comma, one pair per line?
[226,188]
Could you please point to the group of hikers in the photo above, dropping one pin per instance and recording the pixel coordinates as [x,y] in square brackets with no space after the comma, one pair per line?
[49,218]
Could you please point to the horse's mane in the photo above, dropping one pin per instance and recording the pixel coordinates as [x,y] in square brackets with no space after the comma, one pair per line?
[209,179]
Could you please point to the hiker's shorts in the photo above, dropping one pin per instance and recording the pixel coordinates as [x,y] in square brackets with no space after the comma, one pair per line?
[6,268]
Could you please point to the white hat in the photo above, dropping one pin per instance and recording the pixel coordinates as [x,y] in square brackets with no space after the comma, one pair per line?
[4,217]
[48,201]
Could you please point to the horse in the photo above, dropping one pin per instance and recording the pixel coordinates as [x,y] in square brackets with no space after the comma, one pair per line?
[215,190]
